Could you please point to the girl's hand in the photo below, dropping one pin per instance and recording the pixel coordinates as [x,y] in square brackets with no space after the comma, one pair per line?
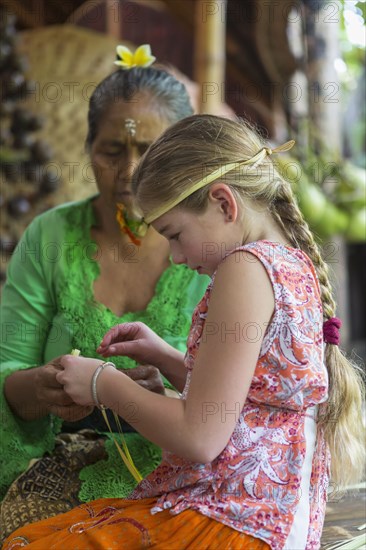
[136,340]
[76,377]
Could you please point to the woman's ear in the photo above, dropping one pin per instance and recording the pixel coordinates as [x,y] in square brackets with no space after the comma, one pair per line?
[221,195]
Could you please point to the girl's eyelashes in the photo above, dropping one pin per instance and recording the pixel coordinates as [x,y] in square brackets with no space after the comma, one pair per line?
[174,237]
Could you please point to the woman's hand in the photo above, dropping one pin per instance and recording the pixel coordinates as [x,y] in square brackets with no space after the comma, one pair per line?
[147,377]
[51,394]
[76,378]
[135,340]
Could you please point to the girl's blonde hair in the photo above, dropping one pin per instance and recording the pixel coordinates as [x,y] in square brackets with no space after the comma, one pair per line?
[196,146]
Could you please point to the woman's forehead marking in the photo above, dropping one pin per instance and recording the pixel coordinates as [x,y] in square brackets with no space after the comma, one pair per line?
[130,126]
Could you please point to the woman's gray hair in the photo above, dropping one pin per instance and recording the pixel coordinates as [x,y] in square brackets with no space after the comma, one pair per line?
[170,95]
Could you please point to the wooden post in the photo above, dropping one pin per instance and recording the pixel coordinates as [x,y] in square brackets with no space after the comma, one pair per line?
[298,106]
[113,10]
[322,42]
[210,53]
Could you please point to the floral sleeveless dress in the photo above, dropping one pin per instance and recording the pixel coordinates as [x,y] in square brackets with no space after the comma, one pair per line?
[271,479]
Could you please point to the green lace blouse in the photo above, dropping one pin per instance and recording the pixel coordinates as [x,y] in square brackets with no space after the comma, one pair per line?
[48,308]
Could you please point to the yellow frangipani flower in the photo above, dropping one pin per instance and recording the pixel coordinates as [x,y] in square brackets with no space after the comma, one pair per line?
[140,58]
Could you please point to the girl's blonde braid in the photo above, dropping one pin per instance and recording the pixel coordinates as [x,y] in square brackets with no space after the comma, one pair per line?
[341,418]
[288,215]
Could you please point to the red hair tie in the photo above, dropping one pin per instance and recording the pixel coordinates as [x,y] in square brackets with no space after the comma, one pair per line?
[331,330]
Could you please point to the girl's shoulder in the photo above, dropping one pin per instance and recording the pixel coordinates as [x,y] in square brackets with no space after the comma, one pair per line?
[273,252]
[289,269]
[276,257]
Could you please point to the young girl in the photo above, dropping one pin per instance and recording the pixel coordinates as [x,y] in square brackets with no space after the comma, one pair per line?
[267,395]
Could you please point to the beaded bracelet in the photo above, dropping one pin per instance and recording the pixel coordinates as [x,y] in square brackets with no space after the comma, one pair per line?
[94,382]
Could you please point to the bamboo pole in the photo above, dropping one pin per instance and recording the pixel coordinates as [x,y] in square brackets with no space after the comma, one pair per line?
[209,55]
[113,18]
[322,40]
[298,108]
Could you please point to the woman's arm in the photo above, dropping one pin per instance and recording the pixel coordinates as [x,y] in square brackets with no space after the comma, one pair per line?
[34,393]
[27,312]
[20,393]
[200,427]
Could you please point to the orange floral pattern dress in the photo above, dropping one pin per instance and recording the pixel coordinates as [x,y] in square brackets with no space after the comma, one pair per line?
[267,489]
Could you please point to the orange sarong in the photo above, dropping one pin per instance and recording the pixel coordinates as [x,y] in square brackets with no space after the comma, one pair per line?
[109,523]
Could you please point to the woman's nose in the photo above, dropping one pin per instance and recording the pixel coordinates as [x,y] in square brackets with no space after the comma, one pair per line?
[129,163]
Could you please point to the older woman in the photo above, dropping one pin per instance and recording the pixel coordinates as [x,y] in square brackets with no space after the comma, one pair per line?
[78,270]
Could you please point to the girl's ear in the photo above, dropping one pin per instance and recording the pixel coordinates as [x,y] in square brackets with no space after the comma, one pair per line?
[221,195]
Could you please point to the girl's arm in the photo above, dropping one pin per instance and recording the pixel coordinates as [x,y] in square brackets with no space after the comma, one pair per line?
[241,306]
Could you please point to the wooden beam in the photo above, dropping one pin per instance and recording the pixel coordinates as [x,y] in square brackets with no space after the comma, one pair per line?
[210,53]
[27,16]
[113,21]
[322,41]
[183,10]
